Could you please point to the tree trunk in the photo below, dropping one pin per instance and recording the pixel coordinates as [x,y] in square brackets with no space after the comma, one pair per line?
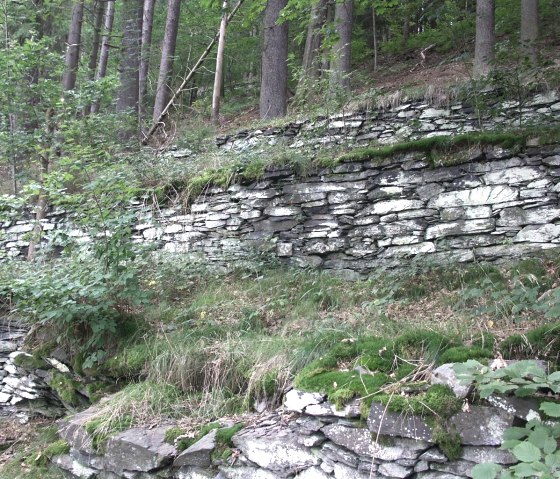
[147,24]
[375,53]
[73,46]
[104,51]
[274,67]
[42,199]
[218,75]
[97,23]
[167,53]
[310,65]
[530,28]
[340,65]
[130,61]
[405,31]
[485,38]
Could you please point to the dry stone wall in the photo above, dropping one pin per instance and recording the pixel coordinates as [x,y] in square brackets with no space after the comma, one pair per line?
[307,438]
[408,121]
[489,204]
[23,390]
[360,216]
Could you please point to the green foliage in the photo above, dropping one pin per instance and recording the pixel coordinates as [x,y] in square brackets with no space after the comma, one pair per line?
[535,446]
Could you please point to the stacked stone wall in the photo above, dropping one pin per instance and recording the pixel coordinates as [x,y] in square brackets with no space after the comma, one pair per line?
[410,120]
[357,217]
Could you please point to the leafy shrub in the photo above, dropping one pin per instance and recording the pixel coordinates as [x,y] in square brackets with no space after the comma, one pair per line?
[535,446]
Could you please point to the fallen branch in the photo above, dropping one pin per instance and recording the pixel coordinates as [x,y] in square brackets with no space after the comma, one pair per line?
[196,66]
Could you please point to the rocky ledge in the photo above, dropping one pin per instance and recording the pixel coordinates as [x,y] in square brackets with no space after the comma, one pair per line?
[307,438]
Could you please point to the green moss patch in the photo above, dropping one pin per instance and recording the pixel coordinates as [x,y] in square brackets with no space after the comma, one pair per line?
[66,388]
[460,354]
[438,400]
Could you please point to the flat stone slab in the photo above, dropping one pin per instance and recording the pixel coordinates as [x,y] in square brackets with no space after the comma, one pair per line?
[362,442]
[381,421]
[274,448]
[482,425]
[69,464]
[139,449]
[199,453]
[296,400]
[445,374]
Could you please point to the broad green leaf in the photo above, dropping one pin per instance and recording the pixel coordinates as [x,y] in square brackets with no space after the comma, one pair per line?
[539,437]
[526,452]
[523,469]
[551,409]
[485,471]
[550,445]
[515,433]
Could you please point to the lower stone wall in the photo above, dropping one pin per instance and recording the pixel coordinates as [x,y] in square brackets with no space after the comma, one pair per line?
[307,438]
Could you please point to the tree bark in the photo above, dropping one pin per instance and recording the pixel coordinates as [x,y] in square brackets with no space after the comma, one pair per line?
[485,39]
[130,61]
[340,65]
[104,50]
[167,53]
[218,75]
[274,67]
[97,24]
[375,52]
[310,64]
[42,199]
[530,29]
[73,46]
[147,24]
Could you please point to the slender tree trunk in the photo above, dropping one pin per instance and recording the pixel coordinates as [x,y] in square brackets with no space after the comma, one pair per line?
[167,54]
[375,52]
[326,53]
[73,46]
[42,199]
[104,51]
[311,68]
[485,38]
[340,66]
[188,78]
[274,68]
[530,28]
[97,24]
[218,76]
[147,24]
[130,61]
[405,31]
